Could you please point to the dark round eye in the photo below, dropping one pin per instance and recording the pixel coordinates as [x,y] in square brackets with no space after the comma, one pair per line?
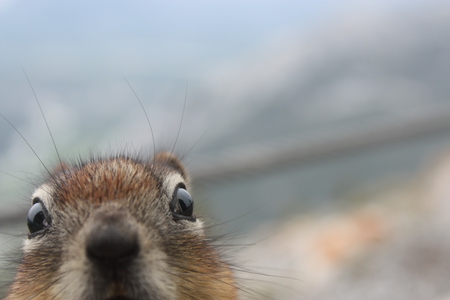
[184,203]
[36,219]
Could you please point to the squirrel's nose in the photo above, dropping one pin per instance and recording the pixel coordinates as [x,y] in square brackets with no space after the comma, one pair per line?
[112,239]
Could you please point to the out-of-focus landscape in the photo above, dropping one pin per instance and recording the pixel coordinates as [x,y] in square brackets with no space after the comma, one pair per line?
[317,133]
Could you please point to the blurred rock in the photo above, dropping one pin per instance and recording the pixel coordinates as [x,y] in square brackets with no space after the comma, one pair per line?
[393,245]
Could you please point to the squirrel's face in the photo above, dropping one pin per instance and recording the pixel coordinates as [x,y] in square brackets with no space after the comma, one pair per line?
[115,229]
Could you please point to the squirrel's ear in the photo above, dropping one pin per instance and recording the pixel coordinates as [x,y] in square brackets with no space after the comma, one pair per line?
[170,160]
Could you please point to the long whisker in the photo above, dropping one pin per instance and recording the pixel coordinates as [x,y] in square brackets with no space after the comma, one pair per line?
[181,121]
[195,144]
[18,178]
[29,146]
[146,116]
[45,120]
[31,183]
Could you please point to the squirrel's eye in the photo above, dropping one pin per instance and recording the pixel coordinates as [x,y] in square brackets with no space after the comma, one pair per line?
[36,219]
[184,204]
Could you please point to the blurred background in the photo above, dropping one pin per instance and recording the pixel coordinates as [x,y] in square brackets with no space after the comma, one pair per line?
[317,133]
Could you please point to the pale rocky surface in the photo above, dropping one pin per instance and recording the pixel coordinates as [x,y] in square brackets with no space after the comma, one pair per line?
[395,244]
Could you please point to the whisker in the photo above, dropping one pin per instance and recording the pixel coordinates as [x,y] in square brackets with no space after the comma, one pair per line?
[219,223]
[146,116]
[18,178]
[181,121]
[29,146]
[216,277]
[250,271]
[195,144]
[45,120]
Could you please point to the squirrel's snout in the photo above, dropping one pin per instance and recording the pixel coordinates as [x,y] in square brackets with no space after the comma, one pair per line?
[112,239]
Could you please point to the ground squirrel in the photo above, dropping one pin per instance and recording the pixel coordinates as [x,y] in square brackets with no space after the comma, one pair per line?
[119,228]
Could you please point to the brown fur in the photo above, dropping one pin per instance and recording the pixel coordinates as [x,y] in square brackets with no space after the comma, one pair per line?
[175,260]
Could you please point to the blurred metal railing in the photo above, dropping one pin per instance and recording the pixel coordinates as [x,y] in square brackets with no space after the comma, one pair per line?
[298,149]
[326,144]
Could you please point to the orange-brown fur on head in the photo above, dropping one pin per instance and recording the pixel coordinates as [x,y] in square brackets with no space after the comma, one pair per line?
[110,203]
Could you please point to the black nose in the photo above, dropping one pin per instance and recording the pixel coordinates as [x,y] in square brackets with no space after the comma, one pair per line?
[112,239]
